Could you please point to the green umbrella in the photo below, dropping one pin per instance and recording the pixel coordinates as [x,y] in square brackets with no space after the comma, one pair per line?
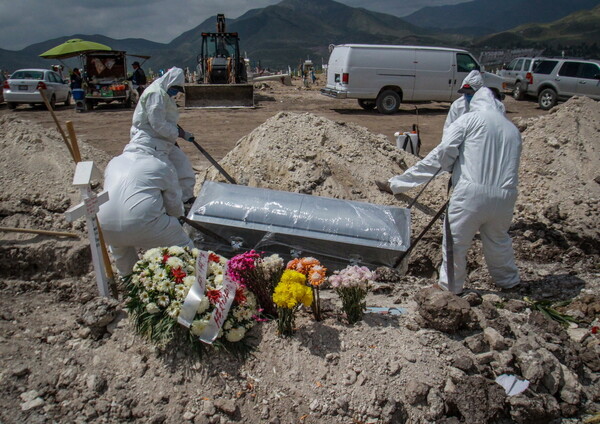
[72,48]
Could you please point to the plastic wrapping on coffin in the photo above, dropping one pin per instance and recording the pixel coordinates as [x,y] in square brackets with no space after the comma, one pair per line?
[231,219]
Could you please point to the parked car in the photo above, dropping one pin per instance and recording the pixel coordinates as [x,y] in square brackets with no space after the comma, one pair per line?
[382,76]
[559,79]
[2,79]
[23,87]
[514,74]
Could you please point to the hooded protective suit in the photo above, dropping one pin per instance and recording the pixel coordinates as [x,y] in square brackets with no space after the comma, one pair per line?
[154,124]
[460,106]
[482,149]
[144,203]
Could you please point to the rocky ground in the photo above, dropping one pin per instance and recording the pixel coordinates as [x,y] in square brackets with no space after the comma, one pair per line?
[68,356]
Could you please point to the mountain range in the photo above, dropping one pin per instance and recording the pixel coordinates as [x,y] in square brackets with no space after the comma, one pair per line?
[293,30]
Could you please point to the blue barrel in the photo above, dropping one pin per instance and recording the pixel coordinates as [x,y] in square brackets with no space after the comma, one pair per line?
[78,94]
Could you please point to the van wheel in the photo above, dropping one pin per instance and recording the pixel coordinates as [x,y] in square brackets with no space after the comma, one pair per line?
[89,105]
[366,104]
[519,91]
[388,102]
[547,99]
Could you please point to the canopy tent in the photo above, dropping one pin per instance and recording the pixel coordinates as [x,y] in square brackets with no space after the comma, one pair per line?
[73,47]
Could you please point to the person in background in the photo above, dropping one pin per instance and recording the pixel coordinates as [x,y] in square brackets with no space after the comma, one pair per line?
[138,78]
[76,79]
[472,82]
[482,149]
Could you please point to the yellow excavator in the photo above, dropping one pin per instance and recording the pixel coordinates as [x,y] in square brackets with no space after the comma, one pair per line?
[221,77]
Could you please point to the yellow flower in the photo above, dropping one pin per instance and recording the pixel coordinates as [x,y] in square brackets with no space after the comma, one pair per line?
[292,290]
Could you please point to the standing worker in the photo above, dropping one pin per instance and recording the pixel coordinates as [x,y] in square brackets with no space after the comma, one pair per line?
[472,82]
[482,149]
[154,123]
[138,78]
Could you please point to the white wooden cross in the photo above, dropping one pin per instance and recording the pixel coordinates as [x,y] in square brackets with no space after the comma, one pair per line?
[84,173]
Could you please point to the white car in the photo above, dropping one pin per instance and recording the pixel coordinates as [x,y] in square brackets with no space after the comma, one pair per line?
[23,87]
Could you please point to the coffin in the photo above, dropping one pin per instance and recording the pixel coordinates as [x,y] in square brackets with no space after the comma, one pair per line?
[231,219]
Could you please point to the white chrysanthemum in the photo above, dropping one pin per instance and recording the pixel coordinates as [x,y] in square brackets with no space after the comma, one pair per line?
[215,268]
[174,262]
[152,254]
[227,325]
[204,304]
[163,300]
[176,250]
[235,334]
[137,267]
[153,266]
[162,286]
[152,308]
[189,280]
[195,252]
[190,269]
[160,275]
[144,297]
[174,309]
[135,280]
[218,280]
[148,284]
[181,291]
[250,299]
[198,326]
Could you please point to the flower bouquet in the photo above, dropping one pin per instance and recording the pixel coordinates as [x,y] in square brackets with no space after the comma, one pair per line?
[290,293]
[352,285]
[260,275]
[157,291]
[315,276]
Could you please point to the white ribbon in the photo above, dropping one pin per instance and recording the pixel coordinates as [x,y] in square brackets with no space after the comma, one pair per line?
[195,296]
[219,314]
[196,293]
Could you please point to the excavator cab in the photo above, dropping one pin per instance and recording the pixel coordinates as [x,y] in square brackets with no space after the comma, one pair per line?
[221,72]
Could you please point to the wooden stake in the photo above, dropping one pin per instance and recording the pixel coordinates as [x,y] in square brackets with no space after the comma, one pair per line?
[74,144]
[60,130]
[43,232]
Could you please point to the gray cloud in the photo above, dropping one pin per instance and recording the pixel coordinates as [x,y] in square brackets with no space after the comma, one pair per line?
[25,22]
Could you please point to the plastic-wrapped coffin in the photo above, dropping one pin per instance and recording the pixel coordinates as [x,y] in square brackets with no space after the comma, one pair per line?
[231,218]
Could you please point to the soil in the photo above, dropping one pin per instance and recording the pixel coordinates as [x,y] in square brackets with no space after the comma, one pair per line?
[69,356]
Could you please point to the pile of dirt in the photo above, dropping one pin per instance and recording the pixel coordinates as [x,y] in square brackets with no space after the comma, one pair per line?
[558,209]
[37,174]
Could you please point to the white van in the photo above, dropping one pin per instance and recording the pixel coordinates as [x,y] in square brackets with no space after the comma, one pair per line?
[383,76]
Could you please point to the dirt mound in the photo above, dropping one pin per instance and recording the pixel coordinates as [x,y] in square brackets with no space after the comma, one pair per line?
[36,179]
[559,200]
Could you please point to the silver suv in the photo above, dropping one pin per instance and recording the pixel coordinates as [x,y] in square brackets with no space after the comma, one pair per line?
[559,79]
[513,75]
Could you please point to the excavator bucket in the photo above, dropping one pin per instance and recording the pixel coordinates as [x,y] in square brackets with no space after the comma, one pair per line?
[219,95]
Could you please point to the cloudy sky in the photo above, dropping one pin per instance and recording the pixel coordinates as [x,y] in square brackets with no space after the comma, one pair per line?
[25,22]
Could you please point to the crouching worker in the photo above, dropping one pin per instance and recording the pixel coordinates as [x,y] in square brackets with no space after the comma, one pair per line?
[144,203]
[482,149]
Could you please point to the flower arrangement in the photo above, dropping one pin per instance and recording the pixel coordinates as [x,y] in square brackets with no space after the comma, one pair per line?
[290,293]
[260,275]
[315,276]
[158,288]
[352,285]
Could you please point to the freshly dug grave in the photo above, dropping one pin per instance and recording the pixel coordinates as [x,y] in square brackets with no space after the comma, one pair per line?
[36,178]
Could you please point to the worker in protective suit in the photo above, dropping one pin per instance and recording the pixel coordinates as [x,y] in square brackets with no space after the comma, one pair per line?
[482,149]
[144,203]
[472,82]
[154,124]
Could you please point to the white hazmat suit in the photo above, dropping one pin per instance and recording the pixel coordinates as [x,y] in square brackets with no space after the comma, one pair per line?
[482,149]
[460,106]
[155,124]
[144,204]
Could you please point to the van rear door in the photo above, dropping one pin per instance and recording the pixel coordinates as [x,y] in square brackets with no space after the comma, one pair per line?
[465,63]
[337,65]
[434,73]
